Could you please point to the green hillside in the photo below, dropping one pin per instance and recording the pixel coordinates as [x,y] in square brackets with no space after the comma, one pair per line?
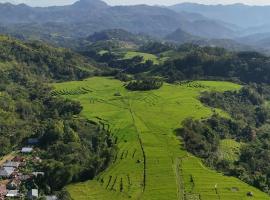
[146,56]
[151,163]
[42,60]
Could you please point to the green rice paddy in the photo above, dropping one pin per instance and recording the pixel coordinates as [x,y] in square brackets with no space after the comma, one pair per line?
[146,56]
[151,163]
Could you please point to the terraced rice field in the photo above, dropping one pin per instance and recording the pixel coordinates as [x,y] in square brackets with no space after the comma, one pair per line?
[151,163]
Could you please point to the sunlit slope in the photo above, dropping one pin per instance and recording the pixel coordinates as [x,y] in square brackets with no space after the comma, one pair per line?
[151,164]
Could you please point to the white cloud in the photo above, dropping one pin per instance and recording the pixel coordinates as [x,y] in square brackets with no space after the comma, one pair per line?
[129,2]
[170,2]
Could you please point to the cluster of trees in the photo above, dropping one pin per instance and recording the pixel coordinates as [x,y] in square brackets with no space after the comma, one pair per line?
[145,84]
[73,150]
[249,125]
[246,105]
[133,65]
[202,138]
[209,63]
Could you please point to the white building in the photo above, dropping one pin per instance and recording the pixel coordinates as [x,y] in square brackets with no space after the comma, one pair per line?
[13,193]
[26,150]
[6,172]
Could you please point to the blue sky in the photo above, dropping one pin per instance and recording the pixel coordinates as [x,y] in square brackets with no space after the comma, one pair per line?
[129,2]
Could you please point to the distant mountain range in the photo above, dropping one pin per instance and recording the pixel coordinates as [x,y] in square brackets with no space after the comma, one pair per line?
[251,24]
[88,16]
[188,22]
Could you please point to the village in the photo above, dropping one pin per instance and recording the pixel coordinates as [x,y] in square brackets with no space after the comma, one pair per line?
[18,173]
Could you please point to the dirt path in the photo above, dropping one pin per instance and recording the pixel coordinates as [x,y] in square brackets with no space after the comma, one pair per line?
[7,157]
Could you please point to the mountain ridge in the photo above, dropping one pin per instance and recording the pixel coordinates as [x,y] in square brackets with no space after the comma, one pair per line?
[88,16]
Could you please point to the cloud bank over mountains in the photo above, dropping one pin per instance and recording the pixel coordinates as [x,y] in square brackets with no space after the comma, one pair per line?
[132,2]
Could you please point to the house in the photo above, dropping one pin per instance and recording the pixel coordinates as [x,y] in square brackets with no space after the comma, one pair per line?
[11,164]
[33,194]
[13,193]
[6,172]
[27,150]
[33,141]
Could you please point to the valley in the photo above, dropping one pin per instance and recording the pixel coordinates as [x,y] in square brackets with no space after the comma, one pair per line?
[140,102]
[150,162]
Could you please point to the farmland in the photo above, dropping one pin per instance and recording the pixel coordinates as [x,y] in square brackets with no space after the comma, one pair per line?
[151,162]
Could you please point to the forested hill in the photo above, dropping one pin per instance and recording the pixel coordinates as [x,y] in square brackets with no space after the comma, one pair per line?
[45,61]
[28,110]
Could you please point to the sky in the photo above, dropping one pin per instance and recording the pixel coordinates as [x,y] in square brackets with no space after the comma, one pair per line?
[131,2]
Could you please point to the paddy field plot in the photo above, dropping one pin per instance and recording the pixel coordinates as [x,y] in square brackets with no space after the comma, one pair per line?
[151,163]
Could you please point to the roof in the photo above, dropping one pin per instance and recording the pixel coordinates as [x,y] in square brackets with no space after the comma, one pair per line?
[12,193]
[51,197]
[6,171]
[27,150]
[33,141]
[11,164]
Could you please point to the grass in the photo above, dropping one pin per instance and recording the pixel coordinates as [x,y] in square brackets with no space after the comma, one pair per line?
[146,56]
[229,149]
[151,163]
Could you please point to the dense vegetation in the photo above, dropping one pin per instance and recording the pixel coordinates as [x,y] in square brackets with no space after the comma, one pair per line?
[209,63]
[188,62]
[249,125]
[44,61]
[145,84]
[72,148]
